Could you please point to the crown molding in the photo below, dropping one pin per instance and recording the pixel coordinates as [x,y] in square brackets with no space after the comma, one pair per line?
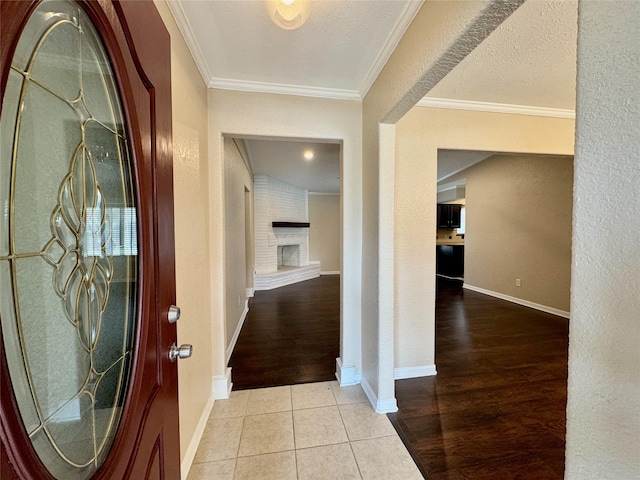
[175,7]
[398,30]
[282,89]
[495,107]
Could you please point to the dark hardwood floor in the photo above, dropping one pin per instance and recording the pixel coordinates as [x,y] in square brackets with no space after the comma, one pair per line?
[291,335]
[496,409]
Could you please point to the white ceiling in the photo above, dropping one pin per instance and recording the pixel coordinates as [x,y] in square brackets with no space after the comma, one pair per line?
[528,62]
[337,53]
[285,161]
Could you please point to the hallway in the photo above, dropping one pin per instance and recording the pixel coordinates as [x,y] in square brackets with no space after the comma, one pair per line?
[496,409]
[311,431]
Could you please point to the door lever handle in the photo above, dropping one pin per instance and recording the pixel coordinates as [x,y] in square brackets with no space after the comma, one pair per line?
[183,351]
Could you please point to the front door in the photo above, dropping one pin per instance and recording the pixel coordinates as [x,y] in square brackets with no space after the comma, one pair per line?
[86,242]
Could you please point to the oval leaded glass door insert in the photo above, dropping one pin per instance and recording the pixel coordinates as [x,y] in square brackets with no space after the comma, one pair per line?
[68,245]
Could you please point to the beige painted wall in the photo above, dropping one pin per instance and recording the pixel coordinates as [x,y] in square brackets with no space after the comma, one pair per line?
[441,34]
[191,199]
[243,114]
[603,407]
[420,133]
[238,240]
[602,437]
[324,231]
[519,210]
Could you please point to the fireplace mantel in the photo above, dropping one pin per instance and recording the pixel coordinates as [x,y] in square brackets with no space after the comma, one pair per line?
[290,224]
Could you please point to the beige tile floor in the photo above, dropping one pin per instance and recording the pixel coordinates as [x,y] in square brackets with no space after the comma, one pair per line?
[307,432]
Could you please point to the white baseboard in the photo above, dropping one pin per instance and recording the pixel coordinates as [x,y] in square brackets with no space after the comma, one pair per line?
[387,406]
[190,452]
[519,301]
[250,292]
[330,272]
[414,372]
[346,374]
[222,385]
[380,406]
[236,333]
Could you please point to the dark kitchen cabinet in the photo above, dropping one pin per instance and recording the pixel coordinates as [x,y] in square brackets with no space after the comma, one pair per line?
[450,260]
[449,215]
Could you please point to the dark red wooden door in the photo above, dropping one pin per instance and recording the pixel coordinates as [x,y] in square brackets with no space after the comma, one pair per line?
[146,443]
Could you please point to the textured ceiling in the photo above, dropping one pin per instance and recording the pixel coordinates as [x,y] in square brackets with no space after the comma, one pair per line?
[527,61]
[338,52]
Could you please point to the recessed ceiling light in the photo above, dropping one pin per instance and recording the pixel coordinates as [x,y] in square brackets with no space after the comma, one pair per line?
[308,154]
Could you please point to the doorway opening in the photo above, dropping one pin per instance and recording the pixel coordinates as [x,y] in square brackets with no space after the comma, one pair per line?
[283,323]
[516,244]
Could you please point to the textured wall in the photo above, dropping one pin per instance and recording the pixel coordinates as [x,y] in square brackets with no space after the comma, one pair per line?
[191,199]
[519,210]
[441,34]
[237,179]
[419,135]
[603,411]
[256,114]
[324,232]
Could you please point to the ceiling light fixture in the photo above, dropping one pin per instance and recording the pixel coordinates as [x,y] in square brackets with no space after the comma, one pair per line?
[288,14]
[308,154]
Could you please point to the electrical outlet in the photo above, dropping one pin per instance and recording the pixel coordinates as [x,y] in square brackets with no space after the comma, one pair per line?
[518,282]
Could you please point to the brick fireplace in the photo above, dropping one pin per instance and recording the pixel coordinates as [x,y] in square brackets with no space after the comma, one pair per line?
[281,250]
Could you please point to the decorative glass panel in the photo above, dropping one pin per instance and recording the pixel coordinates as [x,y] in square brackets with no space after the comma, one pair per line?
[68,240]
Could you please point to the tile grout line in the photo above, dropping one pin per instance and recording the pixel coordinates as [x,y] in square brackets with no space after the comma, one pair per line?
[293,428]
[243,413]
[355,459]
[244,416]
